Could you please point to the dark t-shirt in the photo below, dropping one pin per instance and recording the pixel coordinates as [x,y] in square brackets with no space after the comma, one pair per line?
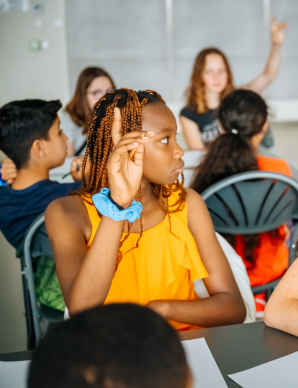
[207,123]
[19,208]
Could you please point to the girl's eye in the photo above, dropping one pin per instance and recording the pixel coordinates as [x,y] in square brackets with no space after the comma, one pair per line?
[60,131]
[166,140]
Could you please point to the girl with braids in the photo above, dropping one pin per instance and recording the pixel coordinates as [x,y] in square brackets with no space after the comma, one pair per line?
[132,150]
[243,117]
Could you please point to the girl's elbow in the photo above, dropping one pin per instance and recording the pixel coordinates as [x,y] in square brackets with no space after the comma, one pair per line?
[269,317]
[241,311]
[270,77]
[75,306]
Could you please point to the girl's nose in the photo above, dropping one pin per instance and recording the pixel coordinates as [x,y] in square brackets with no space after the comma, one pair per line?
[178,153]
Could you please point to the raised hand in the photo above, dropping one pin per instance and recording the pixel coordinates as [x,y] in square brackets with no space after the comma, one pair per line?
[277,31]
[124,173]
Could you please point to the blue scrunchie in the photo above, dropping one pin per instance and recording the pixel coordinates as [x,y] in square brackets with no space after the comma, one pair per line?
[108,209]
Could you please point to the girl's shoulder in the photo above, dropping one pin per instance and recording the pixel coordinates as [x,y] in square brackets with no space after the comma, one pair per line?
[189,113]
[280,166]
[193,204]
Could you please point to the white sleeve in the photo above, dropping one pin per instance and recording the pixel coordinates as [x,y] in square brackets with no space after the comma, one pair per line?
[241,277]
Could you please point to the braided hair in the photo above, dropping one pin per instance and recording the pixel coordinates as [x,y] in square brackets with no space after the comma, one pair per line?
[100,145]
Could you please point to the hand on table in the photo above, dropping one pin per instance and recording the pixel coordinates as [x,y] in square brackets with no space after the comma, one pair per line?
[8,170]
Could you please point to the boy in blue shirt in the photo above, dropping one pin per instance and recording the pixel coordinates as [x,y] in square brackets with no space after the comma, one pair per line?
[31,137]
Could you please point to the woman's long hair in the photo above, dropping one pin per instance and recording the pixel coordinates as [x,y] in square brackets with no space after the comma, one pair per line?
[78,107]
[242,114]
[100,145]
[195,93]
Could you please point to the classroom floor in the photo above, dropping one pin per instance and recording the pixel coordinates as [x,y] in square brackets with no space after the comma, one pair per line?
[12,319]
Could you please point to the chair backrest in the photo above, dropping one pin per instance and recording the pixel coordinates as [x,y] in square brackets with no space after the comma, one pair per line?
[252,202]
[40,244]
[36,243]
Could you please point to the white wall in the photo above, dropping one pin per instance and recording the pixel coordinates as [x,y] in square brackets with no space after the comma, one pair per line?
[27,74]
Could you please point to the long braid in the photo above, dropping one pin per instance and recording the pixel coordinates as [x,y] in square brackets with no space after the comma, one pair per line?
[100,145]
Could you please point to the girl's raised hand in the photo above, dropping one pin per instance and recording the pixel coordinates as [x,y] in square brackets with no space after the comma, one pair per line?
[125,174]
[277,31]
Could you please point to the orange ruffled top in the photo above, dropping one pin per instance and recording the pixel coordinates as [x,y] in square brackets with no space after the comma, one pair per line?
[163,267]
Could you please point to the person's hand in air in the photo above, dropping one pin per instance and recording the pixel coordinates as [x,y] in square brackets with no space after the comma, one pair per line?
[76,169]
[8,170]
[277,31]
[125,173]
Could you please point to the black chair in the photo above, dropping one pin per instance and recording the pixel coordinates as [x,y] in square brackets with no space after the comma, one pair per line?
[38,317]
[254,202]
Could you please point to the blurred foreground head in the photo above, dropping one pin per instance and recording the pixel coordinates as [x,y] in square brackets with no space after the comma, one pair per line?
[113,346]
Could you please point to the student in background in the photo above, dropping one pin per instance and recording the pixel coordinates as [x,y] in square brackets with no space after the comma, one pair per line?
[243,118]
[154,258]
[92,84]
[31,137]
[211,81]
[121,345]
[282,308]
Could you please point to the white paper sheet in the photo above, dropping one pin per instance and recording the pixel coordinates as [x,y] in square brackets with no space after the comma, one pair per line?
[205,371]
[280,373]
[13,374]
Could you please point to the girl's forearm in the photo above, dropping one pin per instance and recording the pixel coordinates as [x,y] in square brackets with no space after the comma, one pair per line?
[273,62]
[92,283]
[218,310]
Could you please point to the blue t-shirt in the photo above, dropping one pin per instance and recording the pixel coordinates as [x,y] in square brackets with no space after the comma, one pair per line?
[19,208]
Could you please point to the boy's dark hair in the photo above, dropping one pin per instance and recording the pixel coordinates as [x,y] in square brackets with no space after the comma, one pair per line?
[118,345]
[21,123]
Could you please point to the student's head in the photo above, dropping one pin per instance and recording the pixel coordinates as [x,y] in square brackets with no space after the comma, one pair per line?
[30,133]
[93,83]
[243,118]
[121,345]
[140,111]
[211,73]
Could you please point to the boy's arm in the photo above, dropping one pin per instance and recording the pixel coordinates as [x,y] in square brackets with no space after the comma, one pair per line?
[281,311]
[225,305]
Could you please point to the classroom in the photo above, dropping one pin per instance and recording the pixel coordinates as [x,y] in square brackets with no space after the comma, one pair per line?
[148,193]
